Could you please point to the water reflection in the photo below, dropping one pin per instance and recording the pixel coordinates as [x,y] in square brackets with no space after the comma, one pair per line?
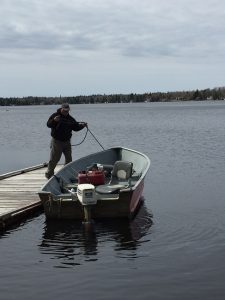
[70,243]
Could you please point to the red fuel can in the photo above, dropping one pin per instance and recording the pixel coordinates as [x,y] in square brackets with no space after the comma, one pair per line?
[92,177]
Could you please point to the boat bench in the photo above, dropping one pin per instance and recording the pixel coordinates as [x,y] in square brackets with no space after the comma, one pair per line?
[65,196]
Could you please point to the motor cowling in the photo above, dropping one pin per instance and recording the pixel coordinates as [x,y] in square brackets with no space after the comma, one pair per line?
[86,194]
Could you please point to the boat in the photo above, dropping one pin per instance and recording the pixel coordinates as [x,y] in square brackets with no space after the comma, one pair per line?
[106,184]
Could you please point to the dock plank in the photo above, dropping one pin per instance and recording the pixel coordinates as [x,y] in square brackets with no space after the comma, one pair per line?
[19,193]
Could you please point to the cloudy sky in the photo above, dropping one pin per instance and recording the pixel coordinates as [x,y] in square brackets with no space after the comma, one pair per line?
[83,47]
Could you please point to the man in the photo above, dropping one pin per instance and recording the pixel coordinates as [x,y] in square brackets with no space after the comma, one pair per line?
[62,124]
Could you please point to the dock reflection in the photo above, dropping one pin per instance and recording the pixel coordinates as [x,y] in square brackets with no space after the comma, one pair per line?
[70,243]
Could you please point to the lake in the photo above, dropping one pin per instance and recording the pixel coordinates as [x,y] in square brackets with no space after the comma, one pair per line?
[173,249]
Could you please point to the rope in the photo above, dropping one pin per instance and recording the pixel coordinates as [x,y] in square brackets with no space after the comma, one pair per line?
[82,140]
[96,139]
[88,130]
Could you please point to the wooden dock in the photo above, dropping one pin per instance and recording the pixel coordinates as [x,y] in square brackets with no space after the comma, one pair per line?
[18,193]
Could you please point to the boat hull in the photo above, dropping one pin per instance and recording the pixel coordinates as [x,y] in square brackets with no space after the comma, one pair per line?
[122,204]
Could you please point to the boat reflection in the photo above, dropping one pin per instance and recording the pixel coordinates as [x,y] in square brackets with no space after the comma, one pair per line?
[71,243]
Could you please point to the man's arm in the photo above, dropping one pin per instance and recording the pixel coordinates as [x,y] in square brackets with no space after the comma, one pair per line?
[77,126]
[53,120]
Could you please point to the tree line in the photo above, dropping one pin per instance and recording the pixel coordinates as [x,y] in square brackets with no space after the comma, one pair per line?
[196,95]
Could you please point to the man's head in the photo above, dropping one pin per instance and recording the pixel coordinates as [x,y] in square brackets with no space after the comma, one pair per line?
[65,108]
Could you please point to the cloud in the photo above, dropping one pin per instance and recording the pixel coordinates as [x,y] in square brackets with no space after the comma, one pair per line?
[94,46]
[130,28]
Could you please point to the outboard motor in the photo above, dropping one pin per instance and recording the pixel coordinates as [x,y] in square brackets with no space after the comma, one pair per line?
[86,194]
[87,197]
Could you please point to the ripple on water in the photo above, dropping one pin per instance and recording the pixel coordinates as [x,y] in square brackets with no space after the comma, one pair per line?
[199,231]
[72,244]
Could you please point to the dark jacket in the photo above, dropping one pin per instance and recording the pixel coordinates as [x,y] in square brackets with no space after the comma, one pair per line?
[62,130]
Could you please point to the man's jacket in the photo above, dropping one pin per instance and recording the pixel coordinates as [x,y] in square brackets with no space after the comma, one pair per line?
[62,130]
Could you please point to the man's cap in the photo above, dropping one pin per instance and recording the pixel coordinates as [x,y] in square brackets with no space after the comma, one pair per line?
[65,106]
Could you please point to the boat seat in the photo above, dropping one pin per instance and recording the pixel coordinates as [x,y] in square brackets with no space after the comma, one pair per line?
[120,178]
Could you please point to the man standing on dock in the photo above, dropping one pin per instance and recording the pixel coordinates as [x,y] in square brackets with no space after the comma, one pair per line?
[62,124]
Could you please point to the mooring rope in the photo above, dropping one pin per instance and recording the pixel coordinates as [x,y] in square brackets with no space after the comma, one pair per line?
[82,140]
[88,130]
[96,139]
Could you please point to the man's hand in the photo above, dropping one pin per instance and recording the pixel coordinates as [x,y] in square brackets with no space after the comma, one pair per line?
[84,124]
[57,118]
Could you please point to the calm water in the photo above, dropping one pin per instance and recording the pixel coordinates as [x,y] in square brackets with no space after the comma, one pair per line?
[178,253]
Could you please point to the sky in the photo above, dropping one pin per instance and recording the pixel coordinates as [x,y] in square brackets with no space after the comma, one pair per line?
[84,47]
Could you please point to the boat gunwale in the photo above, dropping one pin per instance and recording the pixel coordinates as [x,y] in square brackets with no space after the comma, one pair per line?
[129,189]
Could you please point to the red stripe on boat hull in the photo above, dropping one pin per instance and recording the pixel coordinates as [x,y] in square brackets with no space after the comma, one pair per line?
[136,196]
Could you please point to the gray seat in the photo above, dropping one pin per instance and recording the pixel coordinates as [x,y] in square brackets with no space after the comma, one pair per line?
[120,178]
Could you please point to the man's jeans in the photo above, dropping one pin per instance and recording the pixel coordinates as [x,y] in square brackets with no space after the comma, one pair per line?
[57,148]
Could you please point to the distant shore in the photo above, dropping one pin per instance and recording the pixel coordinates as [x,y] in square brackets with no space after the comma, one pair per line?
[195,95]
